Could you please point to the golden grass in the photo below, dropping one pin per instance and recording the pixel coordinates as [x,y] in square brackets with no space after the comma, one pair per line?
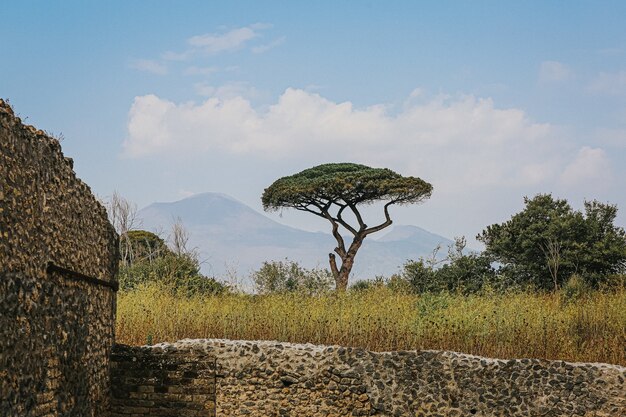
[589,329]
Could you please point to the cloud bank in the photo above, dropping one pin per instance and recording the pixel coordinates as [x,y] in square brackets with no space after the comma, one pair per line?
[459,142]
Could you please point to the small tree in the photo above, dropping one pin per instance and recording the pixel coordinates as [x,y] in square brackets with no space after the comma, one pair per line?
[123,216]
[179,238]
[331,190]
[552,251]
[145,246]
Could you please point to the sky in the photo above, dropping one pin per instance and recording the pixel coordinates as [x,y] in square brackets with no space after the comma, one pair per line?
[489,101]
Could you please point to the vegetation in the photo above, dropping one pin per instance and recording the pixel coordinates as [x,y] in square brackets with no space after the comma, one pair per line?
[328,190]
[591,326]
[458,273]
[178,273]
[551,284]
[548,242]
[145,258]
[289,276]
[150,260]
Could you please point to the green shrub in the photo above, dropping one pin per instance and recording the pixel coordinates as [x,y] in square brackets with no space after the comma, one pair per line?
[179,273]
[575,288]
[289,276]
[379,281]
[466,274]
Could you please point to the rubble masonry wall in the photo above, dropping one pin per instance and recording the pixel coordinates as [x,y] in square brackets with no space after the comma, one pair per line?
[56,328]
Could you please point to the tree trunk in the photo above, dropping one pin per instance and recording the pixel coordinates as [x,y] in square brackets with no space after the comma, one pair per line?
[341,281]
[342,274]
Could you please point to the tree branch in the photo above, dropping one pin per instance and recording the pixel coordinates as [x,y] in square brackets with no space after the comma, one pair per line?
[381,226]
[305,208]
[341,246]
[342,222]
[362,225]
[333,266]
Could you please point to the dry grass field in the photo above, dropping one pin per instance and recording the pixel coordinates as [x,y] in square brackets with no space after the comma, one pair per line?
[591,328]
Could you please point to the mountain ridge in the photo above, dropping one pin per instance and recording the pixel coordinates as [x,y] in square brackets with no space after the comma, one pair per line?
[228,234]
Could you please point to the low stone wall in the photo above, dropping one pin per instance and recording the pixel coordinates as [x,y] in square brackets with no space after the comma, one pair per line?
[282,379]
[58,260]
[168,382]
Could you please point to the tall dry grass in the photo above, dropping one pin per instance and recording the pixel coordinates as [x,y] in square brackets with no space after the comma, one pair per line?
[590,329]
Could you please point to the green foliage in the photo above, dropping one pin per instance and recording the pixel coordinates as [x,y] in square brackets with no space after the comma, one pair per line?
[289,276]
[366,285]
[145,245]
[361,285]
[574,289]
[398,284]
[548,241]
[421,277]
[429,304]
[151,261]
[351,183]
[179,273]
[465,274]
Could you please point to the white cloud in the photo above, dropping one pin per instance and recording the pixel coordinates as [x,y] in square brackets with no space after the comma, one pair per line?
[214,43]
[148,65]
[457,142]
[609,83]
[193,70]
[183,193]
[266,47]
[554,71]
[176,56]
[228,91]
[591,166]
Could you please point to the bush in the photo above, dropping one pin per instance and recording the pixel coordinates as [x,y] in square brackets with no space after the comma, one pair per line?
[575,288]
[420,277]
[614,282]
[365,285]
[466,274]
[179,273]
[289,276]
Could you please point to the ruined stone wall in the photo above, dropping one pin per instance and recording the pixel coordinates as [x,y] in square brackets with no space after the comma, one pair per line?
[162,382]
[56,328]
[282,379]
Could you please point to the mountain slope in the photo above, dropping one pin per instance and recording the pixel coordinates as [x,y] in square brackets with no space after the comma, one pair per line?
[232,236]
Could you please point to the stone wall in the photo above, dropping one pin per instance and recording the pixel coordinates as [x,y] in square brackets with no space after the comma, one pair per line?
[162,382]
[282,379]
[57,265]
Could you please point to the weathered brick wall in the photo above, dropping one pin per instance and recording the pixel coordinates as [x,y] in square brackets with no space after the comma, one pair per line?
[56,331]
[165,383]
[282,379]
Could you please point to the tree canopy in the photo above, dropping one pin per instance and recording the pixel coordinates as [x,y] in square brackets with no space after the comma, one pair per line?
[332,190]
[548,241]
[343,183]
[144,245]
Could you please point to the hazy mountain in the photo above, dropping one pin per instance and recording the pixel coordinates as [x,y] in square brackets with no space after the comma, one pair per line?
[231,236]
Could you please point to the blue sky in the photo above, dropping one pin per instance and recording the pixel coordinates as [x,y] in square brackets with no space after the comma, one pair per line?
[488,100]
